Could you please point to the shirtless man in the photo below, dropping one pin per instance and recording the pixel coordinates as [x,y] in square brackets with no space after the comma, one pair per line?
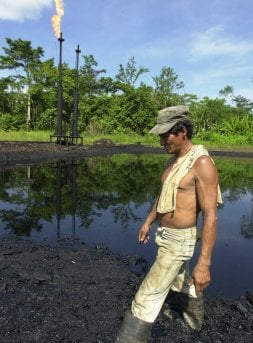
[189,185]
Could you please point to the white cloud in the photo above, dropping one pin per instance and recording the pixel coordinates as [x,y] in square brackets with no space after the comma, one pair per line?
[214,42]
[220,77]
[227,72]
[19,10]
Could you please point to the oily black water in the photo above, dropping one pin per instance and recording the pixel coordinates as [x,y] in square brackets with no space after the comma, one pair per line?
[104,200]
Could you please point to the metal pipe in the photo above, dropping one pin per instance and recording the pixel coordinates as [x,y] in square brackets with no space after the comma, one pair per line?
[60,92]
[74,132]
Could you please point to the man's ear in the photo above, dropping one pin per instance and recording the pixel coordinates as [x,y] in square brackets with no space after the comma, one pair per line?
[184,131]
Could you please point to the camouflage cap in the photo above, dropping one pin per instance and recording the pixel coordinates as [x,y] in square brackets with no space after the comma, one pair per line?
[168,117]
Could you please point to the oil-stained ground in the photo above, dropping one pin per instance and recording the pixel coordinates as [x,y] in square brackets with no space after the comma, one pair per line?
[73,293]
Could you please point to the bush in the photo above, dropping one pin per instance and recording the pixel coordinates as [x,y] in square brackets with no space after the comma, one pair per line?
[10,122]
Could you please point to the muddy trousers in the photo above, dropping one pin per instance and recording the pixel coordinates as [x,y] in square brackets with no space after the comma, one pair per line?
[170,271]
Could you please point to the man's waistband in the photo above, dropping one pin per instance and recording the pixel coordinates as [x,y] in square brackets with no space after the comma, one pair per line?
[186,232]
[172,228]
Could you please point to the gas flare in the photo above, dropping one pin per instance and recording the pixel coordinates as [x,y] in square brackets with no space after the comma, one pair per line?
[56,19]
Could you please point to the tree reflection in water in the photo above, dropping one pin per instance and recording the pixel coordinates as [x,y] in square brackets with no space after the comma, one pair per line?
[31,196]
[236,179]
[247,224]
[103,200]
[22,219]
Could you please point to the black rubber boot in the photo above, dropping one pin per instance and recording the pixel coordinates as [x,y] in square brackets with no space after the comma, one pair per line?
[193,311]
[133,330]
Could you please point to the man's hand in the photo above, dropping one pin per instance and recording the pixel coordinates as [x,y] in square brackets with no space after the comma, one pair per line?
[143,236]
[201,277]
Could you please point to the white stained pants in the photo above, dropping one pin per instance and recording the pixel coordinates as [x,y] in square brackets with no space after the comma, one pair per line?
[169,271]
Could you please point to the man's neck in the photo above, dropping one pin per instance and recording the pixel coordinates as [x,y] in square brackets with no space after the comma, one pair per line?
[185,148]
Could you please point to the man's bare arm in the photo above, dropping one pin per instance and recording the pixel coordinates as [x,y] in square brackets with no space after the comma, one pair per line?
[143,236]
[206,188]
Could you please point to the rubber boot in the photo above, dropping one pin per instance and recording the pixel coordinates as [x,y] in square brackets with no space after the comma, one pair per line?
[193,311]
[133,330]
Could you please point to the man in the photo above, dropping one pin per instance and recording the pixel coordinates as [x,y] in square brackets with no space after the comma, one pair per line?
[189,185]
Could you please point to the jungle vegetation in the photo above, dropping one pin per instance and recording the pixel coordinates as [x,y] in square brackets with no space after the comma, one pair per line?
[109,105]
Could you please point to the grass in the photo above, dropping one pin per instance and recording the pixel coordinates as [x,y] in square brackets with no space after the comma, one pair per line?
[88,138]
[215,142]
[23,136]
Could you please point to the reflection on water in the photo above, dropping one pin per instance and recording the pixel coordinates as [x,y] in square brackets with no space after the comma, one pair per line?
[104,200]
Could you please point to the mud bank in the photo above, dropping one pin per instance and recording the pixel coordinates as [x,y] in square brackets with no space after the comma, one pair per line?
[74,293]
[12,153]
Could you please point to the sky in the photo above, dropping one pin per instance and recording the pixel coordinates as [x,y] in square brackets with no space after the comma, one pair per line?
[208,44]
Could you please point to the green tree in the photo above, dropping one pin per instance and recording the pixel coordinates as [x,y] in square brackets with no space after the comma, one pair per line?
[243,103]
[227,92]
[4,98]
[92,85]
[189,99]
[239,101]
[21,57]
[12,104]
[44,96]
[131,110]
[89,76]
[208,114]
[167,86]
[130,74]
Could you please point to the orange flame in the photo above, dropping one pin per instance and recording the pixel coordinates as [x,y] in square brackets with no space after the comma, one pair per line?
[56,19]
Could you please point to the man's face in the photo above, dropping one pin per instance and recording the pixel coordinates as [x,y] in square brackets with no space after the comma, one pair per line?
[172,142]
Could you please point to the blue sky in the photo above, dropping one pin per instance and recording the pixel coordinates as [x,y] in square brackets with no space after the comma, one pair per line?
[209,44]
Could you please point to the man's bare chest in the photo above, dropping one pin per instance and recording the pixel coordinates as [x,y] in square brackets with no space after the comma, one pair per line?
[188,182]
